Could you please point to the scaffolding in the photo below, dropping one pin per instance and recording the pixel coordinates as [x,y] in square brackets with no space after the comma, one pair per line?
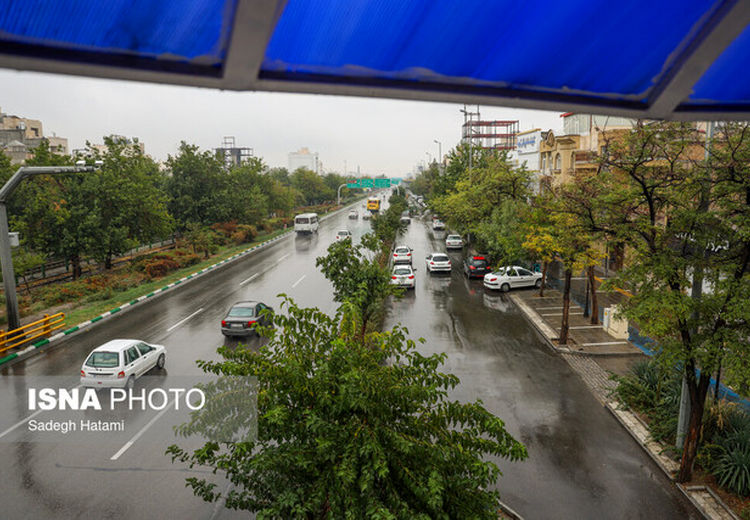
[231,154]
[489,135]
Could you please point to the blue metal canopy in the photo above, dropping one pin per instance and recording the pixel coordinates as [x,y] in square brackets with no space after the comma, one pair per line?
[681,59]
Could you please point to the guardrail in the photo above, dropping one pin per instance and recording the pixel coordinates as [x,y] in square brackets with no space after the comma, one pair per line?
[35,329]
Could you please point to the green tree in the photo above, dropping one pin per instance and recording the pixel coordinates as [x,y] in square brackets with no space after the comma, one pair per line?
[686,221]
[201,239]
[312,186]
[196,187]
[349,431]
[358,278]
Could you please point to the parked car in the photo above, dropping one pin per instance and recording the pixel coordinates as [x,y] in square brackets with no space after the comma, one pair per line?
[454,242]
[512,277]
[119,362]
[438,262]
[341,234]
[438,224]
[402,255]
[476,266]
[242,318]
[403,276]
[353,214]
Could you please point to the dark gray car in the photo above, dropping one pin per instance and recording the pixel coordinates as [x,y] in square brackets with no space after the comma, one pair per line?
[242,317]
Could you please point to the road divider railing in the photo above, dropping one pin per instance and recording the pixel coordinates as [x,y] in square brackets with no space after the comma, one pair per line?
[31,331]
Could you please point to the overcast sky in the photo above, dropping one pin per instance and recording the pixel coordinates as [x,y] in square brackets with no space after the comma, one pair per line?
[379,136]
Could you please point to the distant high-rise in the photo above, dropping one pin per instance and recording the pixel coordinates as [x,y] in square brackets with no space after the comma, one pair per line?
[303,158]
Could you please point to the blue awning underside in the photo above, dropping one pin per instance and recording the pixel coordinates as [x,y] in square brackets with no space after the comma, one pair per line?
[667,59]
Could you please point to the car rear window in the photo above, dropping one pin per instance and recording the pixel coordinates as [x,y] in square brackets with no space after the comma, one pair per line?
[402,249]
[440,258]
[478,263]
[454,237]
[302,220]
[241,312]
[402,271]
[344,232]
[103,360]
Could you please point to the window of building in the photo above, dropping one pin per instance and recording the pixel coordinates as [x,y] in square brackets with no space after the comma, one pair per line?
[558,162]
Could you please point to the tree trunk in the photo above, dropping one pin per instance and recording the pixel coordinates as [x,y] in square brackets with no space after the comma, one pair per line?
[566,308]
[698,390]
[594,302]
[108,260]
[75,261]
[545,265]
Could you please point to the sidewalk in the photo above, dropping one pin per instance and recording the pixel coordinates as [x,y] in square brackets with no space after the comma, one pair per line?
[593,354]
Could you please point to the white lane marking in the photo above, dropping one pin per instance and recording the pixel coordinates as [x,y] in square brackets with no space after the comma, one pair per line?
[24,421]
[560,314]
[243,282]
[282,257]
[298,281]
[140,432]
[549,308]
[604,343]
[183,320]
[586,327]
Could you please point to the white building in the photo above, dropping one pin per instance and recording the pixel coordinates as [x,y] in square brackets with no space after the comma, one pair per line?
[527,152]
[304,159]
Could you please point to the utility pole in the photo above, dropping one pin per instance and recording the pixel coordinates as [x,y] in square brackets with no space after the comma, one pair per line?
[6,257]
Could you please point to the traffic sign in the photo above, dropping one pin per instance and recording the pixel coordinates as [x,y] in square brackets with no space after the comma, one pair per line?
[382,183]
[353,183]
[366,183]
[395,181]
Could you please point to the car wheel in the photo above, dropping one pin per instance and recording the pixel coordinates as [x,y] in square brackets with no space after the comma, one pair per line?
[160,362]
[505,287]
[130,383]
[538,283]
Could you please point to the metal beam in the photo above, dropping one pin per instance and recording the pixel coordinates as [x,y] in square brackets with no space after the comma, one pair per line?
[721,27]
[254,22]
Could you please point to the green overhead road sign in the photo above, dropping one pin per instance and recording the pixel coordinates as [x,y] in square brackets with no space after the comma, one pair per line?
[366,183]
[353,183]
[382,183]
[395,181]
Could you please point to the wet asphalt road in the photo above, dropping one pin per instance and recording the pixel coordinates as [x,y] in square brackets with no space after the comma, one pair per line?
[581,464]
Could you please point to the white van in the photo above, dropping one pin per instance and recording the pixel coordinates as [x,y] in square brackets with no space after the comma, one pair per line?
[306,223]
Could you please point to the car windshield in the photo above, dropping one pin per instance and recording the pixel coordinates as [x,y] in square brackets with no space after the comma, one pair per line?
[440,258]
[402,271]
[241,312]
[103,360]
[302,220]
[500,272]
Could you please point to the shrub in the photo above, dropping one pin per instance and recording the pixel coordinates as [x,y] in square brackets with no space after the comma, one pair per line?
[245,233]
[732,469]
[160,267]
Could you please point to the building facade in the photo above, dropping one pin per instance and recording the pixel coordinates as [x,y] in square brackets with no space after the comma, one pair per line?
[19,136]
[527,153]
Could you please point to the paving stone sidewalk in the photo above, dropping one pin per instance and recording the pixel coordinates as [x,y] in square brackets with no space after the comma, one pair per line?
[590,354]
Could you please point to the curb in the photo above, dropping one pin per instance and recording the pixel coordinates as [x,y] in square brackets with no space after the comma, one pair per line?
[34,347]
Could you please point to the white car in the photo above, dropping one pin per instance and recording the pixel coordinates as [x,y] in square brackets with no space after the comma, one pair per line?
[118,363]
[366,215]
[402,255]
[438,224]
[512,277]
[353,214]
[454,242]
[403,276]
[438,262]
[341,234]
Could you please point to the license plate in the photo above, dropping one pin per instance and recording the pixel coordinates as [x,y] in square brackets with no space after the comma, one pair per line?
[236,325]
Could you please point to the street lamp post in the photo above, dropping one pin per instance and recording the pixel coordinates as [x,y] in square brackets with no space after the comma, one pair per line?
[6,258]
[440,152]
